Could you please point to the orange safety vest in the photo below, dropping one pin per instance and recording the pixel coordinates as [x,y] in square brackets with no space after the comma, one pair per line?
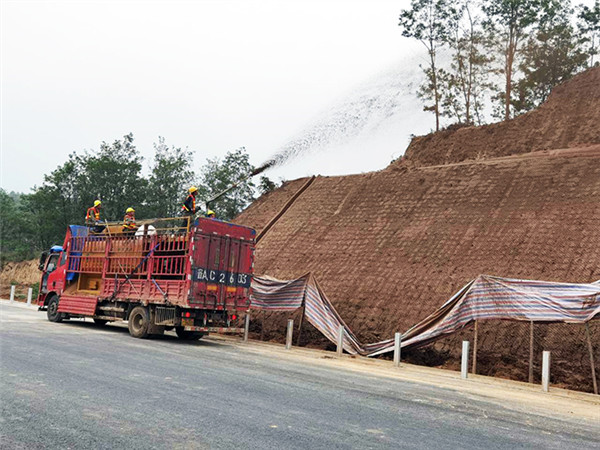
[185,208]
[129,221]
[92,211]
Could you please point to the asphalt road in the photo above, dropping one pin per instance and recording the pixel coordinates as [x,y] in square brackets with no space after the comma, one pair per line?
[77,385]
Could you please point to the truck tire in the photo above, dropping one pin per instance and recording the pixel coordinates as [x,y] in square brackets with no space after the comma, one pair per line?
[100,322]
[188,335]
[52,312]
[139,322]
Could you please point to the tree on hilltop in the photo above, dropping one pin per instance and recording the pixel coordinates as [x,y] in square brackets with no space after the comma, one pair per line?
[589,28]
[550,56]
[508,24]
[465,83]
[428,21]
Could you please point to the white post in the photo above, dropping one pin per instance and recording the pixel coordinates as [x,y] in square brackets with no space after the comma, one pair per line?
[29,295]
[397,348]
[545,371]
[12,293]
[464,365]
[246,326]
[290,334]
[340,341]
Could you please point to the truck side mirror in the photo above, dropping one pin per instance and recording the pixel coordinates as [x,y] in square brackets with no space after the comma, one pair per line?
[43,257]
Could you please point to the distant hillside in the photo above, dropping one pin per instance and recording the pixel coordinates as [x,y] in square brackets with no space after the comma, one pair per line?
[569,118]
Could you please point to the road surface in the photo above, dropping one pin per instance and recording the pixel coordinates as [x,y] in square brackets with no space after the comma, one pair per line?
[77,385]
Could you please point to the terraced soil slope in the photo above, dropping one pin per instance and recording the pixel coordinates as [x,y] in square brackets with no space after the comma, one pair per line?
[390,247]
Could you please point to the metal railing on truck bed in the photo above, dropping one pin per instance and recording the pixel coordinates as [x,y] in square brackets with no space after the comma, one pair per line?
[153,260]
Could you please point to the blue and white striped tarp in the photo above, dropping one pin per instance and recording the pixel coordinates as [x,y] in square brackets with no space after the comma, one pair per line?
[485,298]
[285,295]
[278,295]
[495,298]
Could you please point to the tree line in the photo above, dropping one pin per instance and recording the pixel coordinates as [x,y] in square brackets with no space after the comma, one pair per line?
[114,174]
[507,53]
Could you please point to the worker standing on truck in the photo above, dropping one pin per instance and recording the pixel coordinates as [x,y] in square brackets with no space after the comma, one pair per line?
[93,214]
[189,207]
[92,218]
[211,214]
[129,226]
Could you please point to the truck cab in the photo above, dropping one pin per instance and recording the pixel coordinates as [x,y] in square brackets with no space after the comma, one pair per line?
[52,264]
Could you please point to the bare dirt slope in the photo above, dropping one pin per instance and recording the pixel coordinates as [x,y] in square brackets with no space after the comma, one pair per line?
[569,118]
[516,199]
[390,247]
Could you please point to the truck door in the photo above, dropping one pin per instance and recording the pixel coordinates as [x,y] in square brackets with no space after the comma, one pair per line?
[51,264]
[205,270]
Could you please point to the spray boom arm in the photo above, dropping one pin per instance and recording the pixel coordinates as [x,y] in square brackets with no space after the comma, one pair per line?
[236,184]
[221,194]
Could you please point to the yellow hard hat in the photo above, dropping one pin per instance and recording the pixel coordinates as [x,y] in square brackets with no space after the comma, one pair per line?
[210,212]
[97,202]
[193,189]
[130,209]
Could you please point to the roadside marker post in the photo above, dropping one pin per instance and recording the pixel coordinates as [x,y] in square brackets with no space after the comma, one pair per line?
[464,365]
[397,348]
[29,295]
[592,364]
[290,334]
[546,371]
[340,341]
[12,293]
[475,335]
[246,326]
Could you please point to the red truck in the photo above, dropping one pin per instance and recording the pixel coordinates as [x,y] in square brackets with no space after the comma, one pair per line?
[193,278]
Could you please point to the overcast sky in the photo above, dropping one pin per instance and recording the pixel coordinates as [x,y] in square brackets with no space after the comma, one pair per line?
[208,75]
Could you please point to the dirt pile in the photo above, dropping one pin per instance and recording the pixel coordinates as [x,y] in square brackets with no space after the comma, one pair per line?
[23,274]
[569,118]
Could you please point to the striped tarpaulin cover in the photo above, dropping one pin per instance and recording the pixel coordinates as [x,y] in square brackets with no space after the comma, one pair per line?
[285,295]
[278,295]
[485,298]
[495,298]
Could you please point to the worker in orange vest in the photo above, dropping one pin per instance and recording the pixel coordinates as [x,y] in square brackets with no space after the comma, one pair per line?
[189,206]
[129,225]
[92,218]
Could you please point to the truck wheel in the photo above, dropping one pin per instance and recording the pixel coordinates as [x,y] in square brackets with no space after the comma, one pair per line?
[100,322]
[139,322]
[52,312]
[188,335]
